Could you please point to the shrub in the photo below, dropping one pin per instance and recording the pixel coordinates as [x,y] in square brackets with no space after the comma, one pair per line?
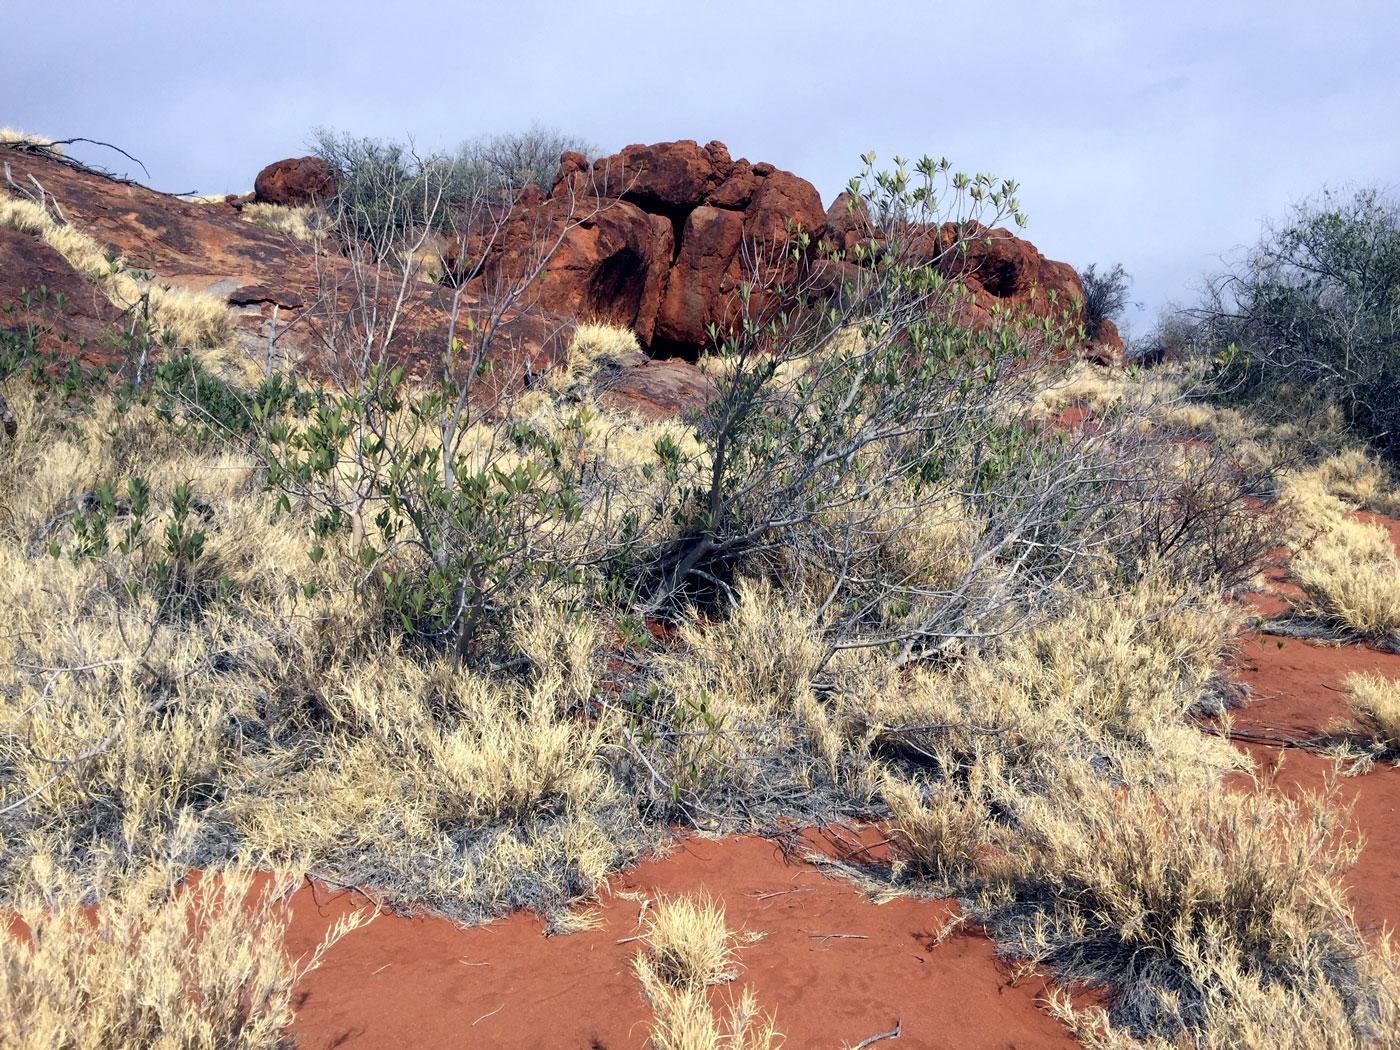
[520,158]
[1311,313]
[836,426]
[1105,296]
[387,189]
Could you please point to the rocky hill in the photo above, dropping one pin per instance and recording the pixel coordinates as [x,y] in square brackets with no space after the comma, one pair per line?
[656,238]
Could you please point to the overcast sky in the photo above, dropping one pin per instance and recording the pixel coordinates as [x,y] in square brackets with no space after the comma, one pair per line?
[1158,135]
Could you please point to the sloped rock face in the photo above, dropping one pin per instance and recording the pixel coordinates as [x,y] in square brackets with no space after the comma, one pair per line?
[263,276]
[295,181]
[74,318]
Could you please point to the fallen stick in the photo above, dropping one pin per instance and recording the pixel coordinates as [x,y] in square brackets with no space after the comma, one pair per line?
[893,1033]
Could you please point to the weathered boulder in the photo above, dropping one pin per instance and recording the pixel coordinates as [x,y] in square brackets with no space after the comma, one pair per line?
[655,389]
[715,205]
[1106,347]
[737,189]
[609,262]
[709,246]
[573,175]
[1000,268]
[848,224]
[782,203]
[295,181]
[669,178]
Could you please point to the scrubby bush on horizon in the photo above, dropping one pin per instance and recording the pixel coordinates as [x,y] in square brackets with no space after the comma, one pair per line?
[388,188]
[1106,296]
[1312,314]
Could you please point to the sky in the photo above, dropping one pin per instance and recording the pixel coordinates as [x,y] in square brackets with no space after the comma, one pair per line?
[1160,136]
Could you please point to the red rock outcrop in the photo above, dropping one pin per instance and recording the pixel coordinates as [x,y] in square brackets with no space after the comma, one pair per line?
[608,259]
[659,238]
[74,317]
[295,181]
[715,206]
[1106,348]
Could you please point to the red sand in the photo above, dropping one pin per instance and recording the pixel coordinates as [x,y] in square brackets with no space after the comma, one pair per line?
[1299,691]
[1299,688]
[409,983]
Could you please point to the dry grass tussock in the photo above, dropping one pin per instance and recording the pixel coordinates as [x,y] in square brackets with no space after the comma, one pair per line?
[304,223]
[1348,569]
[16,135]
[1375,703]
[1111,678]
[1217,916]
[181,317]
[688,948]
[592,349]
[152,964]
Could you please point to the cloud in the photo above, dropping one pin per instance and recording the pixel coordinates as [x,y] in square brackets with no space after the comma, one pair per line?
[1159,137]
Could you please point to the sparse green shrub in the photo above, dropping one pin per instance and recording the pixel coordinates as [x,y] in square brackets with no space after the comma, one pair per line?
[1106,296]
[1312,315]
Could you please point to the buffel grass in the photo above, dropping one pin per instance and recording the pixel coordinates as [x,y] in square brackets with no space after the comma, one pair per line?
[1216,916]
[152,964]
[1375,704]
[1347,568]
[304,223]
[688,948]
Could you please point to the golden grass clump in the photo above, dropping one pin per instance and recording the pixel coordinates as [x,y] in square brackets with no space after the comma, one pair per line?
[688,943]
[687,949]
[1113,674]
[152,964]
[283,718]
[1351,576]
[190,319]
[1207,910]
[593,347]
[301,223]
[1375,703]
[740,686]
[16,135]
[1354,475]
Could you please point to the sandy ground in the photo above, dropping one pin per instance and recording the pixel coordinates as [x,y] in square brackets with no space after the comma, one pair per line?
[834,967]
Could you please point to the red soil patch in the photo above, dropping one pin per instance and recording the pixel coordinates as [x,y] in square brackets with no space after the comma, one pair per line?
[1374,884]
[1299,691]
[1299,688]
[423,982]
